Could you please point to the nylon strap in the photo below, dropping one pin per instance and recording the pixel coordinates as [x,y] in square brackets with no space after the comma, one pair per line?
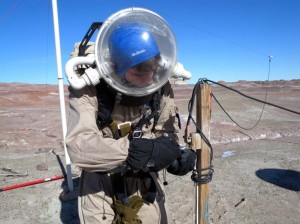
[119,130]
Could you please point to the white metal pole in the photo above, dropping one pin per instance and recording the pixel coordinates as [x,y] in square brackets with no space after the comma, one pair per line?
[61,93]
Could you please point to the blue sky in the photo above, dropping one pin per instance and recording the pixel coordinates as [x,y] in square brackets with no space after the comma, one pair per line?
[226,40]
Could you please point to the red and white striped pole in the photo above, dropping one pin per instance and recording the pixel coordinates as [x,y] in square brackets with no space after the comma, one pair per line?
[31,183]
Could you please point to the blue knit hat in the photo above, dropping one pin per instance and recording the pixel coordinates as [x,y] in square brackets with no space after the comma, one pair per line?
[130,45]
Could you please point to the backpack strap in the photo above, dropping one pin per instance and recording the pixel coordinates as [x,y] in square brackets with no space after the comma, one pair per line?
[106,100]
[105,105]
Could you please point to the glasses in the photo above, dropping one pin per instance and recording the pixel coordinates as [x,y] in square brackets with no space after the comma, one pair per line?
[148,66]
[141,75]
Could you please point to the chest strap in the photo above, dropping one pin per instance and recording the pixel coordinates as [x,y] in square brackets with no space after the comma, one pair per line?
[120,130]
[106,101]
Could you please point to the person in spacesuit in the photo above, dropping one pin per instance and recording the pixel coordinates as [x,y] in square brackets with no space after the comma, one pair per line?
[124,130]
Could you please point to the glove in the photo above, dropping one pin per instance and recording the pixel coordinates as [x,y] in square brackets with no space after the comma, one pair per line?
[184,164]
[127,213]
[152,154]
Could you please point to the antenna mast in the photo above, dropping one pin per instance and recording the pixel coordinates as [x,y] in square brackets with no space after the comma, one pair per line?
[61,93]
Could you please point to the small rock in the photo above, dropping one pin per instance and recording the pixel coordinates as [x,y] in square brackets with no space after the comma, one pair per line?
[42,166]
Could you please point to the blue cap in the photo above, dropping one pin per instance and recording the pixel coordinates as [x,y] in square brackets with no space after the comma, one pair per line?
[130,45]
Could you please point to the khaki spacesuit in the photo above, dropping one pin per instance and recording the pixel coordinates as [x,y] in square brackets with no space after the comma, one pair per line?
[97,153]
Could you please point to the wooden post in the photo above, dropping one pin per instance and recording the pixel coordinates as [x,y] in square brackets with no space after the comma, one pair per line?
[203,151]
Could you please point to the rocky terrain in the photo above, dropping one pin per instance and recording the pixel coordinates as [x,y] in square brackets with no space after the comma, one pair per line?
[256,160]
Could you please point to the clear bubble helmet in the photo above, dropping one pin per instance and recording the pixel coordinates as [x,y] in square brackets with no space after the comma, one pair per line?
[128,38]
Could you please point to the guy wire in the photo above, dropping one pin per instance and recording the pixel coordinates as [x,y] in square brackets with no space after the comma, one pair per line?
[264,103]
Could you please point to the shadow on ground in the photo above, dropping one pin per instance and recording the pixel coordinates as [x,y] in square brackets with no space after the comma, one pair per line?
[69,208]
[288,179]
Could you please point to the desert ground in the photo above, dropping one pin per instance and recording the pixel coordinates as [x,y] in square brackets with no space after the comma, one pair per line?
[256,168]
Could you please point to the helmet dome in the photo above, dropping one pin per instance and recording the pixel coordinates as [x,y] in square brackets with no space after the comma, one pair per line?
[128,38]
[129,45]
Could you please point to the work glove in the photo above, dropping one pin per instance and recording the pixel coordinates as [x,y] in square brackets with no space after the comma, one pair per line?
[184,164]
[127,213]
[152,154]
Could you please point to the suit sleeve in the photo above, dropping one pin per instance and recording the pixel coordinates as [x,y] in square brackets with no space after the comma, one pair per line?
[87,147]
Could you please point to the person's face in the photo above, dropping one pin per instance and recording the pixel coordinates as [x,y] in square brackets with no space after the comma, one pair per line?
[139,78]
